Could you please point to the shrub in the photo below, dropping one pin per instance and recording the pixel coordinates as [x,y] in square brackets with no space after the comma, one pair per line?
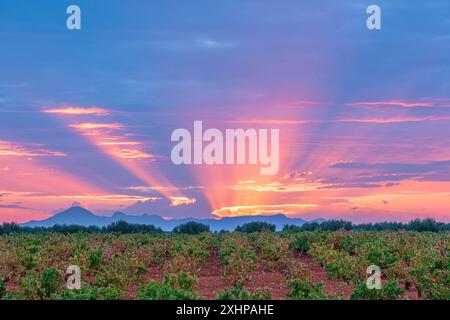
[2,288]
[174,287]
[51,281]
[391,291]
[239,262]
[240,293]
[27,259]
[95,259]
[301,242]
[110,292]
[304,289]
[256,227]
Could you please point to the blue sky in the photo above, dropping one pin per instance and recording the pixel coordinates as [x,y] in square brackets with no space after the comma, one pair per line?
[160,65]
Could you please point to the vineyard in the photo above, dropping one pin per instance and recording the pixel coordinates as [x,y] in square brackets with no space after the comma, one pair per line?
[291,264]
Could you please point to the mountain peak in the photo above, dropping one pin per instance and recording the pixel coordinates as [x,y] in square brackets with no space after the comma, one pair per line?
[75,211]
[79,216]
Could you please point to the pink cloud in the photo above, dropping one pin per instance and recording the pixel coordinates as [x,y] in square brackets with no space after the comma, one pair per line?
[78,111]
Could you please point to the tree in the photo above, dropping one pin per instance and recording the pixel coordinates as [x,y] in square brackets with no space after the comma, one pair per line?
[191,227]
[256,227]
[125,227]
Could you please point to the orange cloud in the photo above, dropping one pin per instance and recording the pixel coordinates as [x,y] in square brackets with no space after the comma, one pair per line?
[121,143]
[255,210]
[100,126]
[276,186]
[78,111]
[131,154]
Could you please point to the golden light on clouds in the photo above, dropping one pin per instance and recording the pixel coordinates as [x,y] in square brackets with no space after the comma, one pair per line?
[77,111]
[97,126]
[178,201]
[254,210]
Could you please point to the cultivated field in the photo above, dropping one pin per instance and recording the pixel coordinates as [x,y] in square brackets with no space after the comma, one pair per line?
[262,265]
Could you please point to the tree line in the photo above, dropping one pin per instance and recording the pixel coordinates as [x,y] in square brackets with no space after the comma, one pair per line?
[123,227]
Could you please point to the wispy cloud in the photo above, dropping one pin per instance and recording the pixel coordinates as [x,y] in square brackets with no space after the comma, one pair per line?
[13,206]
[372,120]
[158,188]
[391,103]
[14,149]
[399,119]
[78,111]
[95,126]
[393,167]
[423,103]
[352,186]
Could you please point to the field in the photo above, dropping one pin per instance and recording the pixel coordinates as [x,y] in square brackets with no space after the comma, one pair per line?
[261,265]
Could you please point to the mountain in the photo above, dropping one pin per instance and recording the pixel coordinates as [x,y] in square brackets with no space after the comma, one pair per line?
[83,217]
[74,215]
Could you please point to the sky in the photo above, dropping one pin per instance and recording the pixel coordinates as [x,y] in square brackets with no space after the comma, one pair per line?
[86,115]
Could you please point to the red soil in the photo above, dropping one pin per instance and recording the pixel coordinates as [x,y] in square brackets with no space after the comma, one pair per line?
[209,278]
[320,274]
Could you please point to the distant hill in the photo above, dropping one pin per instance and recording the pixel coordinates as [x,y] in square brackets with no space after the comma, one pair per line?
[83,217]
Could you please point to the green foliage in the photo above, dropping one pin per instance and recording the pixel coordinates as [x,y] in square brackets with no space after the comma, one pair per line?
[426,225]
[127,228]
[305,289]
[2,288]
[429,225]
[114,264]
[238,259]
[174,287]
[329,225]
[382,255]
[390,291]
[115,227]
[95,258]
[51,281]
[301,242]
[256,227]
[27,260]
[239,292]
[273,251]
[7,228]
[191,227]
[91,293]
[39,285]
